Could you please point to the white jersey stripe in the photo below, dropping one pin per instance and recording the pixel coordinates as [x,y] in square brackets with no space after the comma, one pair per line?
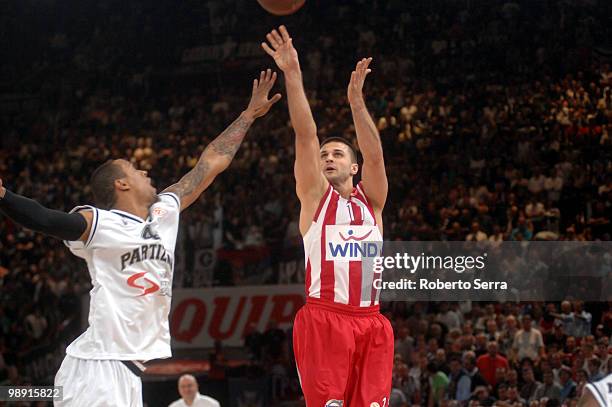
[344,216]
[315,253]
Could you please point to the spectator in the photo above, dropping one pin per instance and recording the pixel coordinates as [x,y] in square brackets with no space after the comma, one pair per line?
[36,324]
[482,397]
[404,343]
[460,382]
[581,321]
[514,397]
[548,389]
[438,384]
[490,362]
[508,334]
[448,317]
[568,386]
[469,365]
[190,395]
[528,341]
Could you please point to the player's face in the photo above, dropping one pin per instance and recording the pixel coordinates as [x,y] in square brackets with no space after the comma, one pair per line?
[336,162]
[139,182]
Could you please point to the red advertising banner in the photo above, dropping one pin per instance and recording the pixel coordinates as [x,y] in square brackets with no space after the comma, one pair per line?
[199,317]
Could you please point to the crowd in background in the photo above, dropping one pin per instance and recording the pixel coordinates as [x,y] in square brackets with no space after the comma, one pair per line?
[495,118]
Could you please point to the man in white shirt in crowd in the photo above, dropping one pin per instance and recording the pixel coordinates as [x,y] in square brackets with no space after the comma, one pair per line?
[528,341]
[190,395]
[582,321]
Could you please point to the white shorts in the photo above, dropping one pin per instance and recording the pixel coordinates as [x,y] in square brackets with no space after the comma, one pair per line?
[97,383]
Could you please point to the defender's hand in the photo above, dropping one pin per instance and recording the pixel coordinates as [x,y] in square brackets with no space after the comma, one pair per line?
[2,190]
[260,104]
[358,76]
[281,49]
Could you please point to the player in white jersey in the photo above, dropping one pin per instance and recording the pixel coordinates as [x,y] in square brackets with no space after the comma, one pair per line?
[128,242]
[342,344]
[597,394]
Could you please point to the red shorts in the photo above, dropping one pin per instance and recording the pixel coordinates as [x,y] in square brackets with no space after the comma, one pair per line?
[344,358]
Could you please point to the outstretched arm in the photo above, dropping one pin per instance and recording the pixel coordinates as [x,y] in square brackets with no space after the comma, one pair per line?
[310,182]
[373,174]
[218,155]
[32,215]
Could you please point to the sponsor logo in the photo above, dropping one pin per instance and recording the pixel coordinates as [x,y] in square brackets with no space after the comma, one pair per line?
[159,212]
[355,238]
[351,242]
[151,287]
[334,403]
[375,404]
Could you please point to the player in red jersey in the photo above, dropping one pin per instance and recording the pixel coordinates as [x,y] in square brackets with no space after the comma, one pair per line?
[343,345]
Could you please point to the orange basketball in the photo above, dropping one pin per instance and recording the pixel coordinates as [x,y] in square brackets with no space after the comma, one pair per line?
[281,7]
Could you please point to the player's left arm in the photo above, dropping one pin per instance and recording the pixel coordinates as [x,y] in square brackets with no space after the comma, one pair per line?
[373,174]
[218,155]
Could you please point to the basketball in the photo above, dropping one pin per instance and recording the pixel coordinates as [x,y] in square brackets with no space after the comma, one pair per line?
[281,7]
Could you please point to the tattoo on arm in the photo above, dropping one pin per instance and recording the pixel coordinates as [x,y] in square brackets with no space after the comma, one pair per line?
[190,181]
[225,146]
[228,142]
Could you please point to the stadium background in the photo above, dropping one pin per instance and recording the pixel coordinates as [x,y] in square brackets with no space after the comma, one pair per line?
[495,121]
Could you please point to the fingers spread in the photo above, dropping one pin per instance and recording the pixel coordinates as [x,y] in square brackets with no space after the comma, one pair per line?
[274,99]
[277,37]
[284,33]
[267,48]
[273,41]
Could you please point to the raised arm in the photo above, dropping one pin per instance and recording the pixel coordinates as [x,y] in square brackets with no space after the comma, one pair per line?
[310,182]
[218,155]
[373,174]
[32,215]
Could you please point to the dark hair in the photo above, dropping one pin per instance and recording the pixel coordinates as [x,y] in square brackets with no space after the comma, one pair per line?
[103,184]
[455,358]
[343,141]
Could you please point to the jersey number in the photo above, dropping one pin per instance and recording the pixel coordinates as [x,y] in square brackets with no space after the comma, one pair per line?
[147,233]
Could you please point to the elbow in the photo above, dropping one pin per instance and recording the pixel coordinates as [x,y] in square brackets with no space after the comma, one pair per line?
[216,163]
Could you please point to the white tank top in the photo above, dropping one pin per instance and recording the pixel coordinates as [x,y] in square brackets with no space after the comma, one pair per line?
[602,391]
[131,263]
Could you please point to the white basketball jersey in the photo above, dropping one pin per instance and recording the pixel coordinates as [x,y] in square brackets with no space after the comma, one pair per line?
[130,261]
[602,391]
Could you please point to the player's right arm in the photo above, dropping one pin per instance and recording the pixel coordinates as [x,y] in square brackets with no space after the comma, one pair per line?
[218,155]
[32,215]
[310,182]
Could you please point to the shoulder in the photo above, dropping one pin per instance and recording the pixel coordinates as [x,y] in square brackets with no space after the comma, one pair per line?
[177,403]
[169,198]
[209,401]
